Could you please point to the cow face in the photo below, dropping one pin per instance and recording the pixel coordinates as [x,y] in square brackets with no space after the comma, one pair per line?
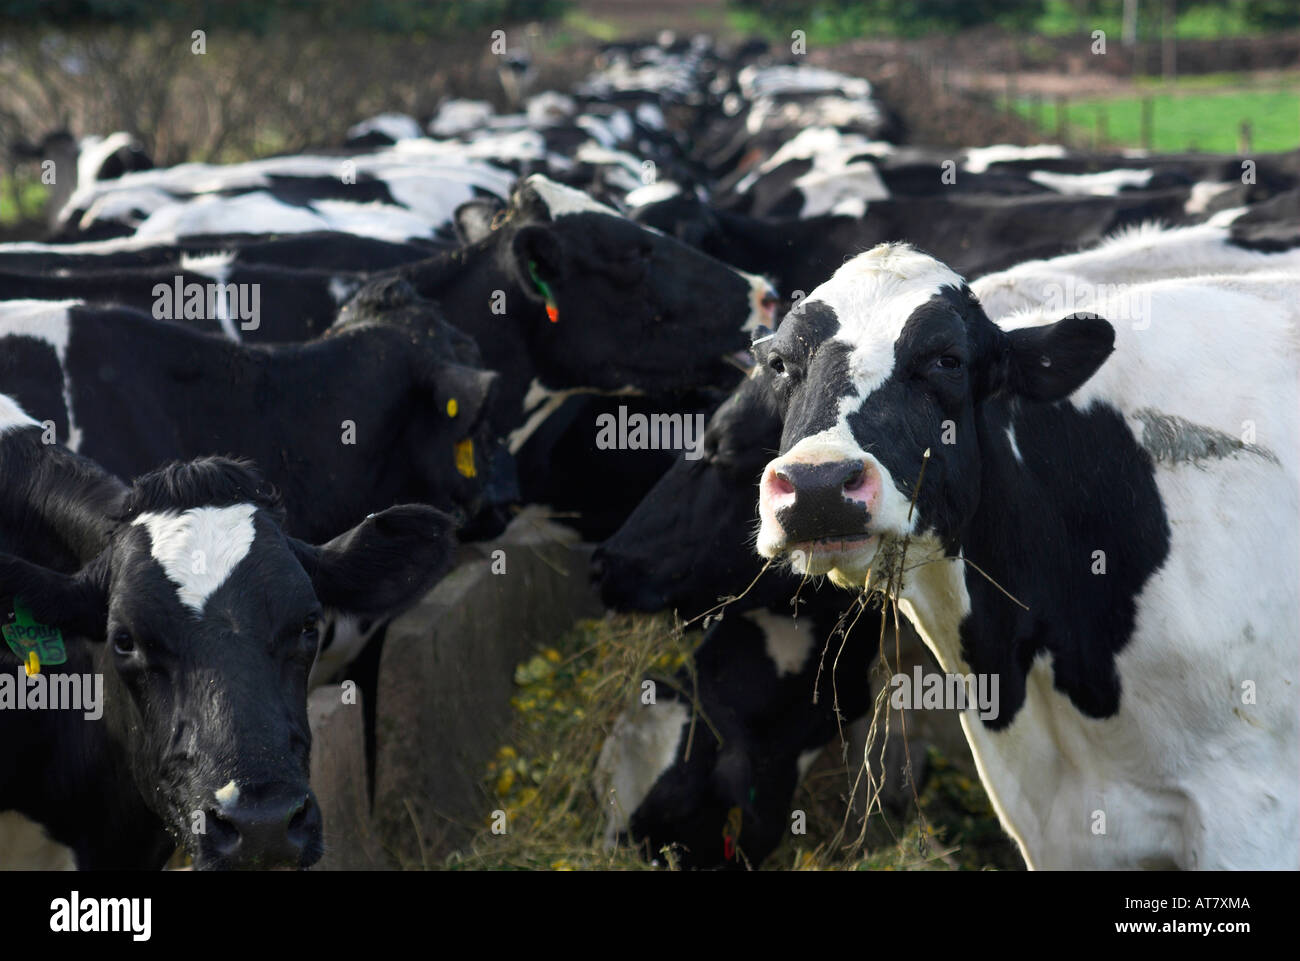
[205,617]
[459,459]
[627,306]
[890,358]
[459,463]
[690,540]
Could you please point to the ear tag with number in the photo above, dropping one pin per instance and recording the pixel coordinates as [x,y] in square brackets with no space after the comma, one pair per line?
[26,638]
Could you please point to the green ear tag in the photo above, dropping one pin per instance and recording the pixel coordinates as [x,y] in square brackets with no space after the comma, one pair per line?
[24,635]
[552,312]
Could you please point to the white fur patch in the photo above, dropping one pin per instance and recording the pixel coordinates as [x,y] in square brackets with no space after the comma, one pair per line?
[652,193]
[215,265]
[199,548]
[561,201]
[13,417]
[1107,183]
[47,321]
[641,747]
[786,640]
[979,159]
[228,795]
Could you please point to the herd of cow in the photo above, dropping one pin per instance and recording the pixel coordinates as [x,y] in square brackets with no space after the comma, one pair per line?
[1060,444]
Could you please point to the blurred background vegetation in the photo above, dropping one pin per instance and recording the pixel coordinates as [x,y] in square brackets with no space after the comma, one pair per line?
[287,75]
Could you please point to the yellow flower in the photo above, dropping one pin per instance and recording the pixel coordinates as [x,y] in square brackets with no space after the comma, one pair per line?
[505,782]
[506,753]
[552,655]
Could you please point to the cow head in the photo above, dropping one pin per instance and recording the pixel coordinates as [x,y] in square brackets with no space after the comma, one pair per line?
[891,357]
[625,306]
[459,463]
[689,541]
[203,615]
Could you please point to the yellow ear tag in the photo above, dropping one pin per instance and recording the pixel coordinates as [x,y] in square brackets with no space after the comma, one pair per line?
[33,664]
[453,408]
[465,458]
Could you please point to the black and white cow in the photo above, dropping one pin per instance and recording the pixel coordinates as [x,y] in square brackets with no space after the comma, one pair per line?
[274,305]
[976,234]
[188,622]
[689,541]
[566,294]
[1108,521]
[343,426]
[1138,254]
[710,765]
[80,163]
[319,250]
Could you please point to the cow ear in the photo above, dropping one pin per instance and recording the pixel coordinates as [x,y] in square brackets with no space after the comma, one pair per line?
[464,393]
[384,564]
[76,603]
[474,219]
[538,260]
[1050,362]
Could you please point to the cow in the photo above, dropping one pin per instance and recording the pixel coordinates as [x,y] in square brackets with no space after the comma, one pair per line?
[974,233]
[343,426]
[1102,514]
[289,305]
[566,296]
[89,160]
[319,250]
[708,768]
[409,191]
[1133,255]
[187,619]
[687,544]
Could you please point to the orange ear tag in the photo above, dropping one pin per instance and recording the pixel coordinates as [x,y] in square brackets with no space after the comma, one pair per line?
[553,313]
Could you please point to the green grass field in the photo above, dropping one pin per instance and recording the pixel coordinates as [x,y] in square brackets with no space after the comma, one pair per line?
[1181,121]
[30,200]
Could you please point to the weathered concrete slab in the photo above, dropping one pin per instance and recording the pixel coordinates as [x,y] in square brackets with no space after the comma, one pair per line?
[338,777]
[446,678]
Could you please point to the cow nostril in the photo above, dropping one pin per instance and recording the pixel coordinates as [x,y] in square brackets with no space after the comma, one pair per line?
[856,482]
[780,484]
[298,819]
[222,833]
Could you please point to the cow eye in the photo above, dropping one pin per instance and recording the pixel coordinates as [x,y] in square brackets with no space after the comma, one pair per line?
[123,642]
[311,626]
[948,362]
[776,363]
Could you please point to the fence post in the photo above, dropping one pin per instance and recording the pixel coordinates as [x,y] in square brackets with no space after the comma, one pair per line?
[1060,118]
[1244,138]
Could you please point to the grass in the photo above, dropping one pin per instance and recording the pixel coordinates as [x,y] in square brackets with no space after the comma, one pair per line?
[1182,121]
[29,203]
[568,697]
[1060,18]
[834,23]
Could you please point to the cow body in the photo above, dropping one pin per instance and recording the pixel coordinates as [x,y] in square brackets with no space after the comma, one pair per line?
[130,392]
[710,766]
[1147,661]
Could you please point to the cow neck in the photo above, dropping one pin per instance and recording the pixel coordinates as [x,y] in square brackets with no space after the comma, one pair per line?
[1036,531]
[92,773]
[305,381]
[467,283]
